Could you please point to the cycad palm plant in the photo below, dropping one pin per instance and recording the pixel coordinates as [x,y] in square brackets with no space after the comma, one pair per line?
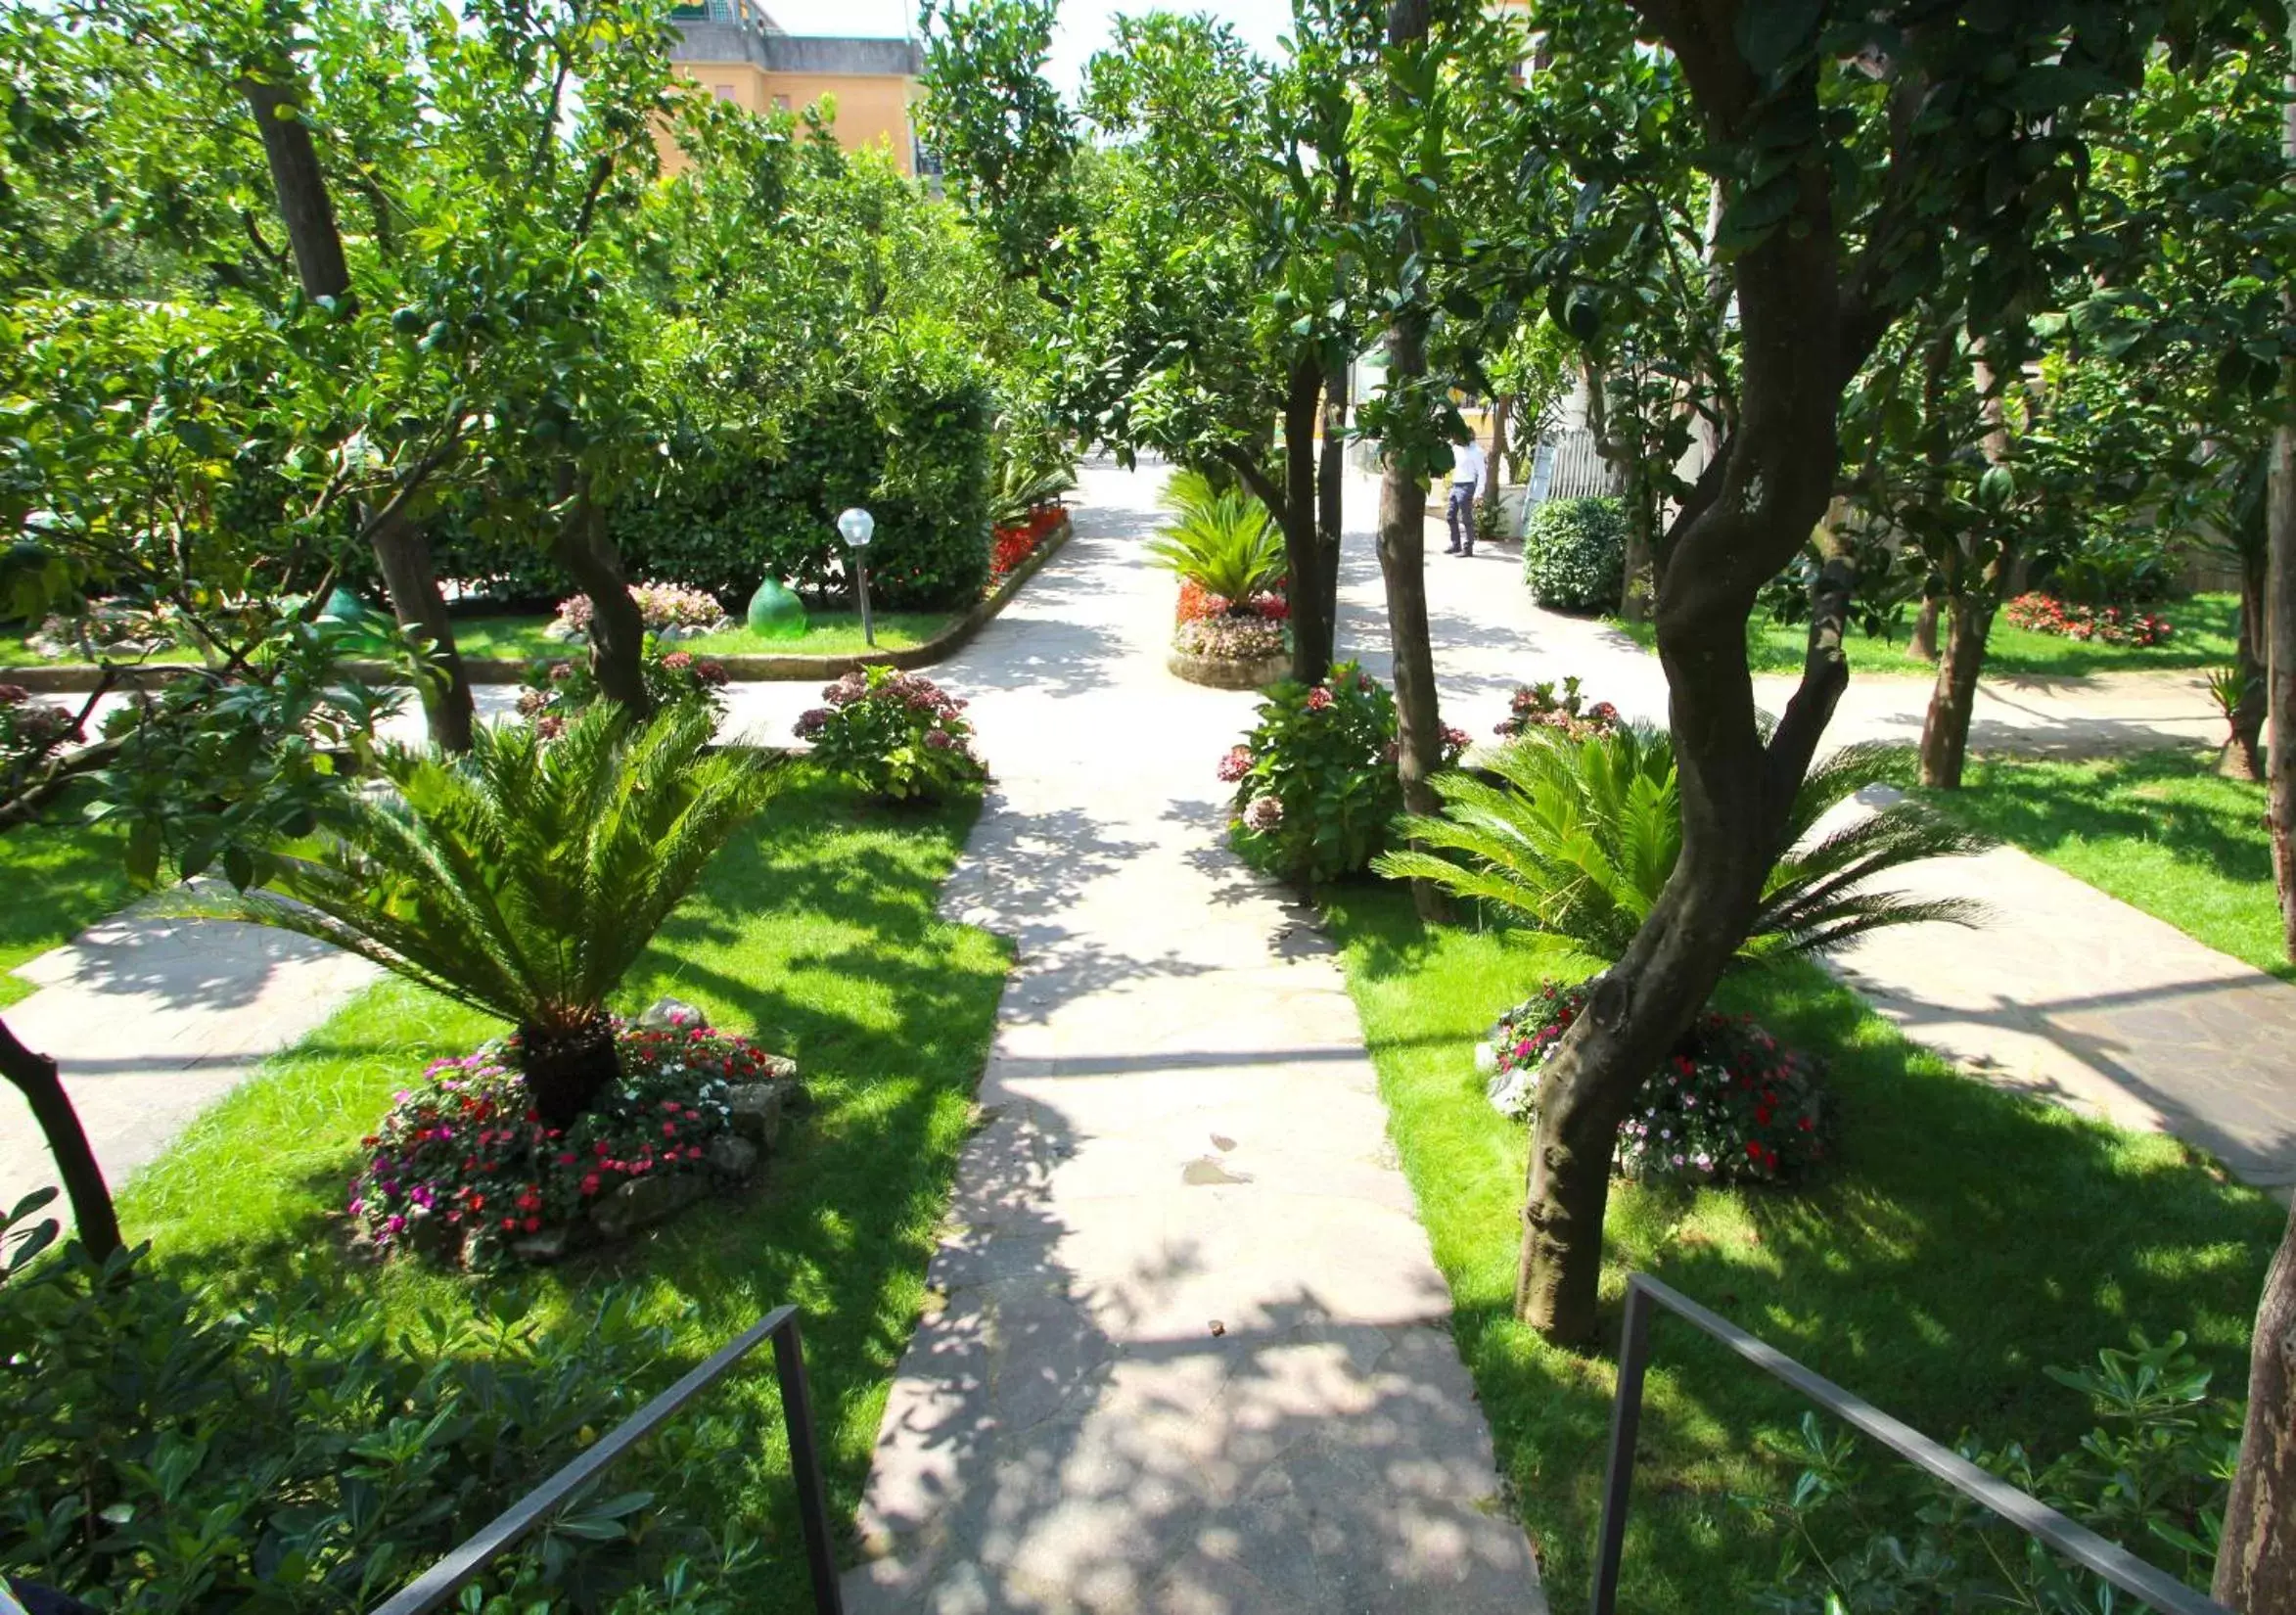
[1221,540]
[1577,838]
[525,879]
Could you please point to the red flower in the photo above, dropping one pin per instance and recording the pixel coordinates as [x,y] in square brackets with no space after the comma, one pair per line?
[534,1223]
[590,1183]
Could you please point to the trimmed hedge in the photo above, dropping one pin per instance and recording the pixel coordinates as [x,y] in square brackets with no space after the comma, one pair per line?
[910,442]
[1575,554]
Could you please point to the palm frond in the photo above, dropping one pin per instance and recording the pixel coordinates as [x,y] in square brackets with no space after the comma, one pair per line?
[1578,838]
[526,879]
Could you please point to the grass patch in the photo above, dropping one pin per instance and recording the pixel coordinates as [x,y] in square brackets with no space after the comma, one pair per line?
[520,638]
[62,875]
[1963,1240]
[2203,638]
[2159,830]
[827,633]
[817,932]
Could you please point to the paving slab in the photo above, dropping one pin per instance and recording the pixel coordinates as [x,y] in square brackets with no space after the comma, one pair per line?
[151,1020]
[2070,995]
[1188,1351]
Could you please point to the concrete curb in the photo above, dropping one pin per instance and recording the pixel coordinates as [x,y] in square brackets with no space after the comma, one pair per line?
[66,676]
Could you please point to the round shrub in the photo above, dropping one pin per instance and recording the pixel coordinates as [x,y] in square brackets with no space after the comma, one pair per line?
[1315,779]
[1729,1105]
[895,735]
[1575,554]
[464,1169]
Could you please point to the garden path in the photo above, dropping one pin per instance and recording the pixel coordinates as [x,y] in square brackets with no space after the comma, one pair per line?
[1186,1347]
[2065,993]
[151,1021]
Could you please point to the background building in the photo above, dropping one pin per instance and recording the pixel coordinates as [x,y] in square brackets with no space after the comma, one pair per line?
[738,53]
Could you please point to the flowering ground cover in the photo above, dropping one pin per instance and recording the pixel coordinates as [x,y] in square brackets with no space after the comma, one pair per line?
[1961,1240]
[815,931]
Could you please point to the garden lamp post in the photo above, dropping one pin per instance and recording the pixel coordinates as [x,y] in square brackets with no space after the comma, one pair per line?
[857,525]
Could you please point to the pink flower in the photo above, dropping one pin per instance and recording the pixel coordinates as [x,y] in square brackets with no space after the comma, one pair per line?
[1319,699]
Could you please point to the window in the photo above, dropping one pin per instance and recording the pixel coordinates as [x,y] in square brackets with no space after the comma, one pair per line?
[723,92]
[781,103]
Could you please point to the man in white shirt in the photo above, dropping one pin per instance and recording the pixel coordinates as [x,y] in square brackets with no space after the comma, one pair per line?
[1467,466]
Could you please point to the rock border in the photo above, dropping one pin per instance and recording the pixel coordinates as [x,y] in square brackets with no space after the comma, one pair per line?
[61,677]
[1223,673]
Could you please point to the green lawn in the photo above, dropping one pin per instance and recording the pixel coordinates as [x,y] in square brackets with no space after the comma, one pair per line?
[520,637]
[817,932]
[2203,638]
[2158,830]
[61,874]
[827,633]
[1964,1240]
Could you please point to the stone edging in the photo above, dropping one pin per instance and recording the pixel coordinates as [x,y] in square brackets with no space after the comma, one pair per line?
[62,676]
[1223,673]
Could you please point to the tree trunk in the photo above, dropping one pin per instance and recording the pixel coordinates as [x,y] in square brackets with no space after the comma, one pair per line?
[2281,606]
[1331,487]
[617,633]
[2256,1560]
[1924,643]
[1944,729]
[1312,627]
[401,554]
[565,1072]
[1492,467]
[1752,509]
[1402,537]
[2242,756]
[34,1076]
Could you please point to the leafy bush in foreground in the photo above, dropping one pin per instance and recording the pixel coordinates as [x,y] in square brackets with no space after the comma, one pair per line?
[894,734]
[2152,1476]
[1315,778]
[302,1456]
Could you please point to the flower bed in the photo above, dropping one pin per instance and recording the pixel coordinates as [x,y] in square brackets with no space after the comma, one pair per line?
[1198,603]
[462,1169]
[1231,639]
[1729,1105]
[1538,707]
[2100,625]
[1011,545]
[671,610]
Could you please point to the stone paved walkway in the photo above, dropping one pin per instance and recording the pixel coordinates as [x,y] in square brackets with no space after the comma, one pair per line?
[151,1021]
[1188,1346]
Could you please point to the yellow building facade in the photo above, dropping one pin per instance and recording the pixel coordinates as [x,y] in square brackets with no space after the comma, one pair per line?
[733,50]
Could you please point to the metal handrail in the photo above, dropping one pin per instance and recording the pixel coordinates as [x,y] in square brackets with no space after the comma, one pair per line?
[2116,1564]
[435,1586]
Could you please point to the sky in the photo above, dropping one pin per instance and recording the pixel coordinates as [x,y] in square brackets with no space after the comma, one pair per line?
[1085,25]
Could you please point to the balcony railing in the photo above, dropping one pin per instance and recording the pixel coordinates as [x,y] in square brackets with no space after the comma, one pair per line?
[431,1588]
[2028,1514]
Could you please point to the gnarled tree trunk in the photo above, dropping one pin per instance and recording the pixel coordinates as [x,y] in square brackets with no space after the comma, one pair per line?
[617,633]
[1403,542]
[1753,508]
[401,555]
[34,1076]
[2256,1558]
